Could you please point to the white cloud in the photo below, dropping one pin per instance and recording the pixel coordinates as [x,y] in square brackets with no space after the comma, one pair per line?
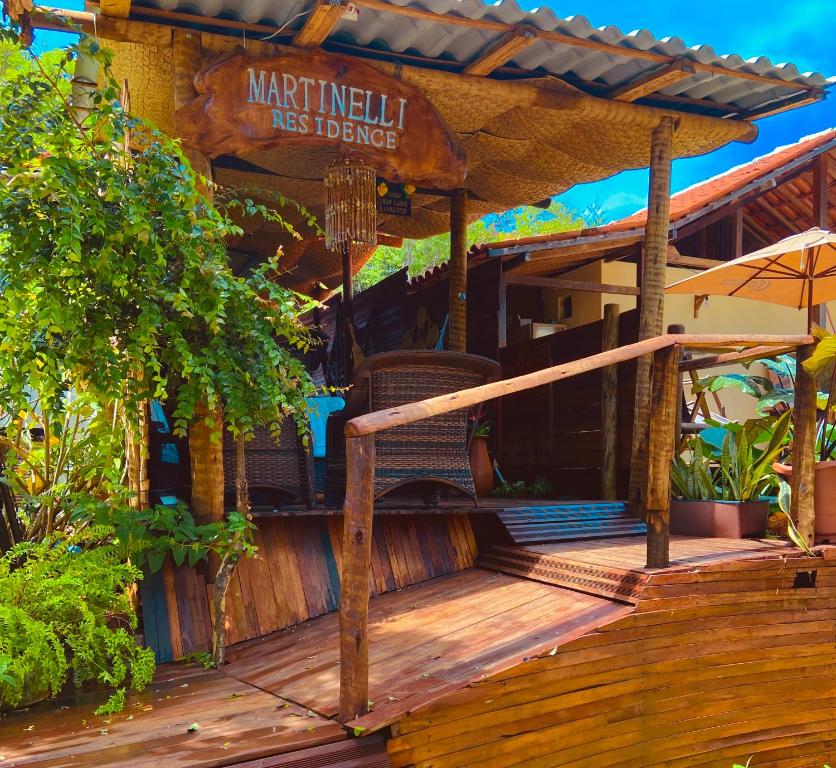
[622,200]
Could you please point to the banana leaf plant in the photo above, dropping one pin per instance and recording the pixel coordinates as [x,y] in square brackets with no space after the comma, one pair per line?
[731,462]
[821,365]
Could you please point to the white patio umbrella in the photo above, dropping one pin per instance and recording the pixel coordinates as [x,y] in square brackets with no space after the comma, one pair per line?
[799,271]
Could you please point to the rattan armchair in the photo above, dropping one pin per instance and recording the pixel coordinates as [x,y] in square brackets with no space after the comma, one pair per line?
[434,450]
[276,470]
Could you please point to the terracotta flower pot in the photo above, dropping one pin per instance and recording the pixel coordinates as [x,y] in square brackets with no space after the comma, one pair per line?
[480,465]
[718,519]
[824,498]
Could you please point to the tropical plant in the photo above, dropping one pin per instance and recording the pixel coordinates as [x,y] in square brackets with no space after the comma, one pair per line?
[821,365]
[66,467]
[731,462]
[115,280]
[692,474]
[65,612]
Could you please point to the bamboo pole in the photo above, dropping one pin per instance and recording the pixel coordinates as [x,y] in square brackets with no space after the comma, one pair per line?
[354,589]
[457,270]
[802,508]
[651,317]
[609,405]
[660,449]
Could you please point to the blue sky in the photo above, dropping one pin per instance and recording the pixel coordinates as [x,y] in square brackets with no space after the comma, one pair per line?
[800,32]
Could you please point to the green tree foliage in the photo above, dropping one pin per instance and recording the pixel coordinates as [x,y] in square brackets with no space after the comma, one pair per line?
[421,255]
[65,612]
[114,269]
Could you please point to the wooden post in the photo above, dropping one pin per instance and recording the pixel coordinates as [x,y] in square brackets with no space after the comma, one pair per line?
[651,316]
[348,316]
[354,589]
[804,447]
[680,399]
[457,270]
[609,405]
[660,451]
[820,219]
[737,243]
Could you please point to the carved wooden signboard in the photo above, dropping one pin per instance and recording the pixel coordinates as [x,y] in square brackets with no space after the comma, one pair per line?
[316,99]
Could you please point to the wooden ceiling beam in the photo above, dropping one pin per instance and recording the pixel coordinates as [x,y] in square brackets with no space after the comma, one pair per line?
[501,51]
[561,284]
[325,15]
[577,42]
[808,96]
[766,206]
[118,9]
[652,81]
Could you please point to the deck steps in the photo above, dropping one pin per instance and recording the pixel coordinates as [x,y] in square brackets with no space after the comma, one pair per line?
[615,583]
[543,524]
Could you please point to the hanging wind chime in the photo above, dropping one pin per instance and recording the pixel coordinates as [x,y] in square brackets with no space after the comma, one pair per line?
[350,206]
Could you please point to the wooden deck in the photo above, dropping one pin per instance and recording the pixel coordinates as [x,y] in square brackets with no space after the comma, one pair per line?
[481,667]
[424,641]
[237,723]
[615,567]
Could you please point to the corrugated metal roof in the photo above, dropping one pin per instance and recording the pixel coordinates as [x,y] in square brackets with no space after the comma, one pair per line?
[381,29]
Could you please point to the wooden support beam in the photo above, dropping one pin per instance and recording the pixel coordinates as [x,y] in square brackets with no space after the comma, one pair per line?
[660,452]
[792,227]
[591,43]
[809,96]
[457,270]
[820,220]
[820,191]
[737,230]
[561,284]
[651,317]
[354,583]
[727,358]
[677,259]
[609,405]
[393,241]
[501,51]
[319,24]
[802,508]
[119,9]
[652,81]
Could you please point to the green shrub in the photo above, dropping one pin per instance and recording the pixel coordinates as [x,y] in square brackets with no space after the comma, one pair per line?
[65,611]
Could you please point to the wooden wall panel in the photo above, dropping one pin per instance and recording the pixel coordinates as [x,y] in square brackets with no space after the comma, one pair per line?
[296,576]
[555,431]
[721,664]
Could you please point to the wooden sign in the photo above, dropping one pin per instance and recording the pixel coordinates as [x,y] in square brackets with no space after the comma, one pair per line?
[316,99]
[394,199]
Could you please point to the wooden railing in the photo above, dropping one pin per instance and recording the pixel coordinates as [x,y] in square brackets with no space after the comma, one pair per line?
[656,453]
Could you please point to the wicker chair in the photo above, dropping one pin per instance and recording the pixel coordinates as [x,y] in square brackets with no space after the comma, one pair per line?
[433,450]
[275,471]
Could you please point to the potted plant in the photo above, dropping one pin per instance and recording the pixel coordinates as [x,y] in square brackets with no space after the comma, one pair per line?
[480,461]
[719,481]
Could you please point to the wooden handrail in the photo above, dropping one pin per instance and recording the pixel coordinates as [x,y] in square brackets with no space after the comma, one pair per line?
[360,454]
[370,423]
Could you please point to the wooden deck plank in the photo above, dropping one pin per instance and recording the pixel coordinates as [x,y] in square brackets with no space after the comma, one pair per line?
[237,722]
[424,641]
